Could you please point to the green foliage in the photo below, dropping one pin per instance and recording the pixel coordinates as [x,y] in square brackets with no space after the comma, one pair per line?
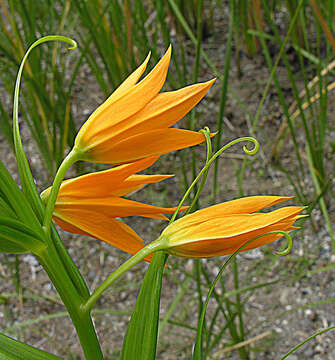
[18,238]
[11,349]
[46,95]
[140,341]
[114,37]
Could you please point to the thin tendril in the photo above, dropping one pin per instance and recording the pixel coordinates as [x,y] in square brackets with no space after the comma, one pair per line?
[289,245]
[252,151]
[224,266]
[307,340]
[207,134]
[26,177]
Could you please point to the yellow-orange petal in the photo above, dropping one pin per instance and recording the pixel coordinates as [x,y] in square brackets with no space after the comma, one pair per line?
[122,107]
[161,112]
[112,205]
[102,183]
[104,228]
[209,236]
[229,244]
[136,182]
[227,225]
[245,205]
[151,143]
[131,80]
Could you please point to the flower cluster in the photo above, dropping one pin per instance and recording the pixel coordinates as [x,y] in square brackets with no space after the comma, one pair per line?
[90,204]
[222,229]
[134,122]
[131,129]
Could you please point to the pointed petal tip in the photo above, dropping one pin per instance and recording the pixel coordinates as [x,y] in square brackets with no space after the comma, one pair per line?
[210,82]
[168,176]
[146,60]
[167,55]
[206,84]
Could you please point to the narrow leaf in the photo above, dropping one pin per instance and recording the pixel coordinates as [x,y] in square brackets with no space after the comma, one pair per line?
[12,195]
[11,349]
[141,337]
[18,238]
[27,180]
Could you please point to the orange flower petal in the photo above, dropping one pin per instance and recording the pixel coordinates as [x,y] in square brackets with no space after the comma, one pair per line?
[102,227]
[129,82]
[90,204]
[126,104]
[162,112]
[103,183]
[136,182]
[114,206]
[245,205]
[133,112]
[209,232]
[228,225]
[228,245]
[151,143]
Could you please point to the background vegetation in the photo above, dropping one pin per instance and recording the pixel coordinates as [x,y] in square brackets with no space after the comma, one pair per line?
[275,75]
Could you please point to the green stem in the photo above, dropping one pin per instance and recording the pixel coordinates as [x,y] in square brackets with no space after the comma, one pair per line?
[70,159]
[306,341]
[80,317]
[239,309]
[154,246]
[206,132]
[206,167]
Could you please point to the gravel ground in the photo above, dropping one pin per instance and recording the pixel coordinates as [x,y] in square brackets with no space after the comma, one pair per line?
[276,317]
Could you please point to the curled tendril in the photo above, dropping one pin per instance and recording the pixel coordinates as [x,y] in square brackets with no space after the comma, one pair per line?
[288,237]
[74,45]
[254,150]
[288,248]
[26,177]
[207,134]
[210,159]
[16,131]
[205,130]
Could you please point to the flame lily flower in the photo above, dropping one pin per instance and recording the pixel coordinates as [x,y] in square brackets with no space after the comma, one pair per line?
[90,204]
[222,229]
[134,122]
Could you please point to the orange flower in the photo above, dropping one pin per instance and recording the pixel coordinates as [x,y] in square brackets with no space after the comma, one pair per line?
[90,204]
[221,229]
[133,123]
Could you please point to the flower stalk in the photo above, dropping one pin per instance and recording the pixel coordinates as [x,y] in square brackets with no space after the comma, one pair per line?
[252,151]
[69,160]
[81,319]
[159,244]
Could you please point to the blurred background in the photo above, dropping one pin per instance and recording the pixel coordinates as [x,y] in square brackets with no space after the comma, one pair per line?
[274,64]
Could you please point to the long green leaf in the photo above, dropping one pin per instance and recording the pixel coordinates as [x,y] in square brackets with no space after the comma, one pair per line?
[13,197]
[18,238]
[11,349]
[141,337]
[27,180]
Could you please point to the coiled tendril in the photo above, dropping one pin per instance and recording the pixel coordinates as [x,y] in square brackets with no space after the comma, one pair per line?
[209,161]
